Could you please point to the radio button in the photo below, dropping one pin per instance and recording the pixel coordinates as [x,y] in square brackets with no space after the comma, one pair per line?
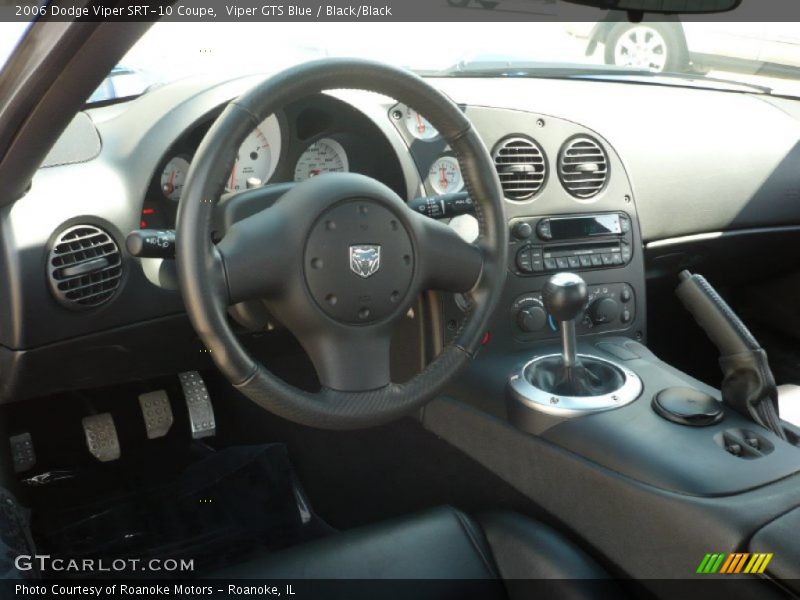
[596,260]
[562,263]
[574,262]
[543,229]
[550,264]
[524,262]
[586,261]
[607,260]
[616,258]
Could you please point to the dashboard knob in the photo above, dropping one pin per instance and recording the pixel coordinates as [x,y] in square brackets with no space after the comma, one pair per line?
[531,318]
[522,230]
[604,310]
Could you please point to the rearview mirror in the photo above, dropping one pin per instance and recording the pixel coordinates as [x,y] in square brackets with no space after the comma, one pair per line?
[665,7]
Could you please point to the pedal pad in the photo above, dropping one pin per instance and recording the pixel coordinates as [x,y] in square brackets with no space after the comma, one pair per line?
[101,437]
[157,413]
[22,452]
[198,402]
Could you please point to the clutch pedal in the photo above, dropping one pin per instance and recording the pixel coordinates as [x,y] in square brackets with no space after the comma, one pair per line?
[157,413]
[198,402]
[101,437]
[22,452]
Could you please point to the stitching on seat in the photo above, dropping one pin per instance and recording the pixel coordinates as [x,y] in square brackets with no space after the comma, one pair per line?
[469,530]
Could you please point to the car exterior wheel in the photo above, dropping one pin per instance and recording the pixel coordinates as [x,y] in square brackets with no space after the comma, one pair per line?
[654,46]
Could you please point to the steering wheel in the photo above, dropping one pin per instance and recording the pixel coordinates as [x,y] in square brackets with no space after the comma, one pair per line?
[338,258]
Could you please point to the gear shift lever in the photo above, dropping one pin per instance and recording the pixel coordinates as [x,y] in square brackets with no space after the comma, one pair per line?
[565,297]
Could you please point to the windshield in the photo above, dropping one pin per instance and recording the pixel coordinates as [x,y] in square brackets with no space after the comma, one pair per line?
[762,57]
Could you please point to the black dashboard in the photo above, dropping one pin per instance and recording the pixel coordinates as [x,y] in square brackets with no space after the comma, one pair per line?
[594,183]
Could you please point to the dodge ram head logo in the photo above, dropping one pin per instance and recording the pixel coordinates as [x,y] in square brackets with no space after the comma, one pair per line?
[365,260]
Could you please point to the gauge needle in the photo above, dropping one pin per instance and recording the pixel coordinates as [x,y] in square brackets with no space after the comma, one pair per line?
[443,173]
[232,180]
[420,124]
[169,188]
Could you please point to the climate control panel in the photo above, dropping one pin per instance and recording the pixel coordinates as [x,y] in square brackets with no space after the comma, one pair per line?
[611,307]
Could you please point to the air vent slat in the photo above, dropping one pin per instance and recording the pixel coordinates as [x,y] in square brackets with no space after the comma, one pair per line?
[521,166]
[583,167]
[84,267]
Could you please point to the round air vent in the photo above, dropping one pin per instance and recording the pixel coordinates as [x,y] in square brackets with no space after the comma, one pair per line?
[521,165]
[583,167]
[84,267]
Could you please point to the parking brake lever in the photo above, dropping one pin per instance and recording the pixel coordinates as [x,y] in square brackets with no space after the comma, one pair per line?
[747,385]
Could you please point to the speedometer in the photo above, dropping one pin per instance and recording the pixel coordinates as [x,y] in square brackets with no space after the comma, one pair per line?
[257,156]
[323,156]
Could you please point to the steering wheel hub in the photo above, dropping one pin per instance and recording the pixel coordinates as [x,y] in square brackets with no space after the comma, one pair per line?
[359,261]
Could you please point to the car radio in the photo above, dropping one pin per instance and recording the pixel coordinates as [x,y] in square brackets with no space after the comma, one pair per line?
[578,242]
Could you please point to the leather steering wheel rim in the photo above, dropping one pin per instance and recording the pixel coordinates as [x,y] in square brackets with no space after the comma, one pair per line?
[208,277]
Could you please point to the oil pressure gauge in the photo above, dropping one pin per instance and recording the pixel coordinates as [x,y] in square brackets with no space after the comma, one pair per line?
[445,175]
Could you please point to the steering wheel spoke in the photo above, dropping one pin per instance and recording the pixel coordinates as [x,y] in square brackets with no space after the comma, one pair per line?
[447,262]
[352,360]
[256,255]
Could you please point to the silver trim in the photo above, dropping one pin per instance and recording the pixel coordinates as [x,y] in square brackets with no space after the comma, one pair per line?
[524,392]
[714,235]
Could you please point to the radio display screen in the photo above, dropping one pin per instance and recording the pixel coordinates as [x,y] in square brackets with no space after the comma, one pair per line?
[578,227]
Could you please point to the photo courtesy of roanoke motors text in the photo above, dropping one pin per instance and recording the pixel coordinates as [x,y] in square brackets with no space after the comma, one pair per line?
[400,299]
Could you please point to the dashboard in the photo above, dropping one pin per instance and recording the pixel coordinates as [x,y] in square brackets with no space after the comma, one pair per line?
[595,175]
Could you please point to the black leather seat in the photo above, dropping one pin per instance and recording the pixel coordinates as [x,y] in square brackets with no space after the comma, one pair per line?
[444,544]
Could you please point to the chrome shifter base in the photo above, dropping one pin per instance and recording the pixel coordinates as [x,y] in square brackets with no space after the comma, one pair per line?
[526,395]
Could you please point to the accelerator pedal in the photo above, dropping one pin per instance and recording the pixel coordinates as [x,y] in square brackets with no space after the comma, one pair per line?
[22,452]
[198,402]
[157,413]
[101,437]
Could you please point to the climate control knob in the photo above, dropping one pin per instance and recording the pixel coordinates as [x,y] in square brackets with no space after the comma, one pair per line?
[531,318]
[604,310]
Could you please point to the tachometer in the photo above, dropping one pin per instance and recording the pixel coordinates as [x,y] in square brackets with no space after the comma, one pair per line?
[173,176]
[418,126]
[257,157]
[323,156]
[445,175]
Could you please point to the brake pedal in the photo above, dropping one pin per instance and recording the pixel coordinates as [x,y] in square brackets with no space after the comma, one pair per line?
[198,402]
[157,413]
[22,452]
[101,437]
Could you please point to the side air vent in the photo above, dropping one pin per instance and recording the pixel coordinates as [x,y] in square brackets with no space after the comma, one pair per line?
[583,167]
[522,168]
[84,267]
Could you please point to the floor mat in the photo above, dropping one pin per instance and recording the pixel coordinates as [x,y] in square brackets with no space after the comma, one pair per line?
[219,510]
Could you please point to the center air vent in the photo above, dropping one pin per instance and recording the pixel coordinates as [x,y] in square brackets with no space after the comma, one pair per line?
[583,167]
[521,165]
[84,267]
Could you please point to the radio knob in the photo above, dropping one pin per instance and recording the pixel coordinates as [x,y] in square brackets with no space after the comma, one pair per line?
[522,230]
[531,318]
[604,310]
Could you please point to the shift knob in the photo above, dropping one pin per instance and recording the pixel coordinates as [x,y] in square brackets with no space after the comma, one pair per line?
[565,296]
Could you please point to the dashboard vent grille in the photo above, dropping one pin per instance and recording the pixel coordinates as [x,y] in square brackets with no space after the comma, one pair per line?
[522,168]
[583,167]
[84,267]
